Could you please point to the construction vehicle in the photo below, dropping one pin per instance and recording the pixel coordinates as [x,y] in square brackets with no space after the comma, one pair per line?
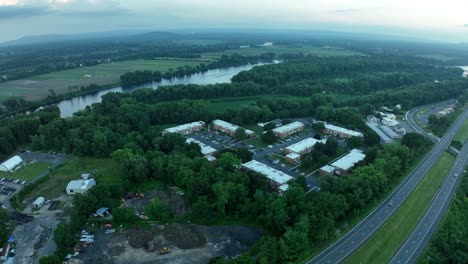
[165,250]
[151,246]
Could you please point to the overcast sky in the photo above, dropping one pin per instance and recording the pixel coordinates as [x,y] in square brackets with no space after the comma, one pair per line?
[445,20]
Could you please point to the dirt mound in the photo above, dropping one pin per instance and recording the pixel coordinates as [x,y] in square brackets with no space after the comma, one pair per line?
[184,236]
[116,250]
[174,201]
[138,237]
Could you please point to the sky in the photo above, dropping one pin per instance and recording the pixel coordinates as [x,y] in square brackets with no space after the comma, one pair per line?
[425,19]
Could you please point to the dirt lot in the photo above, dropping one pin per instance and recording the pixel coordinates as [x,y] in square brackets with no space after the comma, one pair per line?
[188,244]
[170,197]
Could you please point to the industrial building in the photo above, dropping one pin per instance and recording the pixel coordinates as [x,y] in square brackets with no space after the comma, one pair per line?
[79,186]
[205,149]
[229,128]
[383,137]
[389,132]
[289,129]
[345,164]
[12,164]
[341,132]
[185,129]
[277,178]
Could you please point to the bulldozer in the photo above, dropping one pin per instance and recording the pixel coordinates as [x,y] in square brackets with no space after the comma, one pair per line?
[165,250]
[151,246]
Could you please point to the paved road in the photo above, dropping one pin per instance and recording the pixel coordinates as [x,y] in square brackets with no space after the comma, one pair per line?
[421,235]
[345,246]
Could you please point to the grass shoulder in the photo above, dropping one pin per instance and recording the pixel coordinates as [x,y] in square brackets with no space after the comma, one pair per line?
[386,241]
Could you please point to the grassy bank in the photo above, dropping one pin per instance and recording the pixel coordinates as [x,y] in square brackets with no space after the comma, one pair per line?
[462,136]
[386,241]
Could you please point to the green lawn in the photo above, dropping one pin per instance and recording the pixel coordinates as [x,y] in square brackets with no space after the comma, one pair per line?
[103,170]
[306,50]
[385,242]
[257,142]
[27,173]
[462,135]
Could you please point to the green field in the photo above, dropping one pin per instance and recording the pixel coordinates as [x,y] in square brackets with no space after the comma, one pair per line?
[462,135]
[27,173]
[37,87]
[220,105]
[256,142]
[103,170]
[306,50]
[385,242]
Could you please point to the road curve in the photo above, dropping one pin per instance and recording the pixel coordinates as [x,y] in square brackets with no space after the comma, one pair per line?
[421,235]
[346,245]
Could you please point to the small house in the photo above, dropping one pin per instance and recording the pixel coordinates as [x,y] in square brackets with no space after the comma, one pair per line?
[79,186]
[103,212]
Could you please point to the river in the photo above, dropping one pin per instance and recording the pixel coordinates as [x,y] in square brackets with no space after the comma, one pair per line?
[221,75]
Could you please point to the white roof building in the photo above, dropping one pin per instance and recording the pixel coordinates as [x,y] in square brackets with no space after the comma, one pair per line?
[39,202]
[349,160]
[210,158]
[303,146]
[288,129]
[293,156]
[185,128]
[276,176]
[343,131]
[205,149]
[80,186]
[283,187]
[230,128]
[327,169]
[11,164]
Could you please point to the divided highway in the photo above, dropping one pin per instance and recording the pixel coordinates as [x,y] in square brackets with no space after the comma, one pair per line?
[345,246]
[421,235]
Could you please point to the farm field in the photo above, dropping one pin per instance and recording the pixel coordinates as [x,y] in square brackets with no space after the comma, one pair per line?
[28,172]
[306,50]
[37,87]
[103,170]
[386,241]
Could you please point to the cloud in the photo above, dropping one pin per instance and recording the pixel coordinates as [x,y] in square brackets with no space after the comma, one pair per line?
[466,25]
[346,10]
[30,8]
[19,11]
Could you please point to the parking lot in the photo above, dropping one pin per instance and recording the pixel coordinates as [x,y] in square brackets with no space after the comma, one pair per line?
[8,186]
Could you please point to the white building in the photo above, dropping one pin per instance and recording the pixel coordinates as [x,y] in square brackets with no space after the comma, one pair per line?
[289,129]
[205,149]
[185,129]
[276,177]
[79,186]
[347,162]
[12,164]
[293,158]
[229,128]
[341,132]
[39,202]
[304,146]
[327,169]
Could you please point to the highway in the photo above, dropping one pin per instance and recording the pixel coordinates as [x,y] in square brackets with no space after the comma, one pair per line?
[350,242]
[421,235]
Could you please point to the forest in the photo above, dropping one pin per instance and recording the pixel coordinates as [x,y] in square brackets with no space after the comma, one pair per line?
[450,241]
